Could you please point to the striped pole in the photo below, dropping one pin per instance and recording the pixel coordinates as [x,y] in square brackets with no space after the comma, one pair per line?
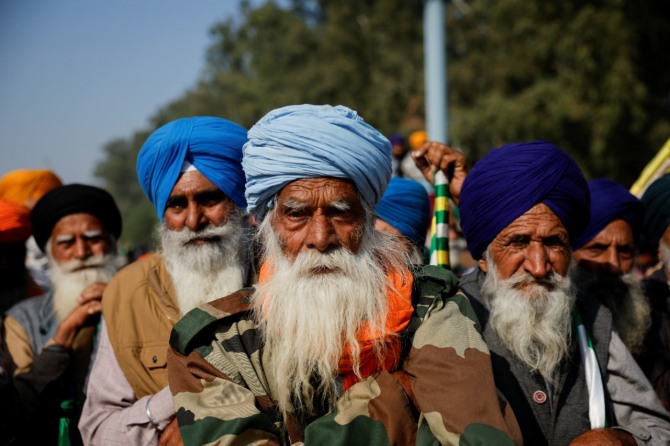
[439,228]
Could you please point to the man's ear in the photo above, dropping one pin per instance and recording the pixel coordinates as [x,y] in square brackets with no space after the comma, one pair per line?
[482,265]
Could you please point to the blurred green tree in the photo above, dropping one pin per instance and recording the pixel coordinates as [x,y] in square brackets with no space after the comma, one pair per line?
[591,76]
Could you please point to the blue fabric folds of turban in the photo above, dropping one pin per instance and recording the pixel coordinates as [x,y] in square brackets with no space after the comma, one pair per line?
[212,145]
[656,201]
[510,180]
[406,207]
[312,141]
[610,201]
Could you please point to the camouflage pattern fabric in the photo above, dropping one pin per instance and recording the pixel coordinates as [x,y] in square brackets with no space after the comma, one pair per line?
[442,393]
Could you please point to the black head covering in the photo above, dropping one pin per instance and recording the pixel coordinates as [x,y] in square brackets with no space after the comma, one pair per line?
[73,199]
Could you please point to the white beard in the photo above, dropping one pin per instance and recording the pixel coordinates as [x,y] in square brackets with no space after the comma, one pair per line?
[204,272]
[624,297]
[306,317]
[534,323]
[68,284]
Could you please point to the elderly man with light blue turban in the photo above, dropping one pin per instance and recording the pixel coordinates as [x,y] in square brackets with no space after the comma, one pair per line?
[337,341]
[566,373]
[190,169]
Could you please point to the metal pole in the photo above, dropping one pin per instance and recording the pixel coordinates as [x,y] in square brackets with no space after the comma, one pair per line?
[435,67]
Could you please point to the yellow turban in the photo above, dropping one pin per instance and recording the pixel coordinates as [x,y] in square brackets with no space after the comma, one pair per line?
[417,138]
[27,186]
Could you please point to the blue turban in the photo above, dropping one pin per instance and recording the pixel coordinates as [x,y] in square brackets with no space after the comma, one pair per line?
[313,141]
[610,201]
[656,201]
[510,180]
[406,207]
[212,145]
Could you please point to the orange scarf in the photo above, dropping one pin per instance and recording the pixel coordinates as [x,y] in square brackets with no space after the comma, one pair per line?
[399,313]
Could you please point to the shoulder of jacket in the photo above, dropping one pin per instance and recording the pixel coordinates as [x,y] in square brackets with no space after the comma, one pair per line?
[205,318]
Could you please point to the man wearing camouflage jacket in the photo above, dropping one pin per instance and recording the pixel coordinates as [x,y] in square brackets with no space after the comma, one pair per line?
[341,342]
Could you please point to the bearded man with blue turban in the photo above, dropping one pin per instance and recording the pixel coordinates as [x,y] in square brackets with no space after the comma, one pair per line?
[340,340]
[190,169]
[566,373]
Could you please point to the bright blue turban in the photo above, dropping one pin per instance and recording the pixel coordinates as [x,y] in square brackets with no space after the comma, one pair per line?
[312,141]
[510,180]
[212,145]
[406,207]
[610,201]
[656,201]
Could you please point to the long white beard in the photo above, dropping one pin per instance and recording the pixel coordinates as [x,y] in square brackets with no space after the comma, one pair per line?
[534,323]
[306,318]
[625,298]
[203,272]
[68,283]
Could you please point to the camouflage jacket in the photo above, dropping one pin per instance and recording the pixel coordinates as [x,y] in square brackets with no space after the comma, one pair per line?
[442,393]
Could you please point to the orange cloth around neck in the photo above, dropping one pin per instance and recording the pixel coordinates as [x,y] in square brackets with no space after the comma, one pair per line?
[399,313]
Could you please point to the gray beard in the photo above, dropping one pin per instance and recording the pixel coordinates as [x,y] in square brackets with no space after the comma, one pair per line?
[67,284]
[307,318]
[624,297]
[204,272]
[535,323]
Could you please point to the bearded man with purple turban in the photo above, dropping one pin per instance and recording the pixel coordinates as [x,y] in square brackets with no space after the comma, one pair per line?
[565,371]
[340,341]
[190,169]
[605,254]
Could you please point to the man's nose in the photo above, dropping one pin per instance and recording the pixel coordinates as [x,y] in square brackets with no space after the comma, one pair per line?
[537,261]
[82,250]
[195,217]
[613,260]
[322,235]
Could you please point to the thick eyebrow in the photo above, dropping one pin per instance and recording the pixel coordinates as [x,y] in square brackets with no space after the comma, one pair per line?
[65,238]
[293,205]
[341,205]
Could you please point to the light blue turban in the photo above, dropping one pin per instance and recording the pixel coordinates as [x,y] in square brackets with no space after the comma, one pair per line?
[212,145]
[313,141]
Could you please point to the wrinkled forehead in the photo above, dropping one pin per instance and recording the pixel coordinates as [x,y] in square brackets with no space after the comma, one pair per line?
[320,192]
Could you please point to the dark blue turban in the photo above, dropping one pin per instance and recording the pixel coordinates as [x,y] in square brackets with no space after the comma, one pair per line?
[656,201]
[406,207]
[212,145]
[313,141]
[610,201]
[510,180]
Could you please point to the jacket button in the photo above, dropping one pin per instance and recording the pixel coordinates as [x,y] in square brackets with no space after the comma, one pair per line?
[539,397]
[154,359]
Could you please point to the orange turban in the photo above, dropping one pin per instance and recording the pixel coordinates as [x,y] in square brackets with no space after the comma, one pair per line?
[417,138]
[14,222]
[27,186]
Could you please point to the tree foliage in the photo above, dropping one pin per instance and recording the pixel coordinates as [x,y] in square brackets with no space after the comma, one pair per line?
[591,76]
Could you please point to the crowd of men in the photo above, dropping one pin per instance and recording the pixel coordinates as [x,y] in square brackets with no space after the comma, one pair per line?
[289,300]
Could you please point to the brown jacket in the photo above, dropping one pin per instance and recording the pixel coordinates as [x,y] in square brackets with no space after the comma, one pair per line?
[140,309]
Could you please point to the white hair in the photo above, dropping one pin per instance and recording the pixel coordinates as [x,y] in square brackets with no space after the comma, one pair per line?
[307,316]
[70,278]
[203,272]
[625,298]
[534,322]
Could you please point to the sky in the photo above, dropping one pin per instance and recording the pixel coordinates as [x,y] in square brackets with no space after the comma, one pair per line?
[76,74]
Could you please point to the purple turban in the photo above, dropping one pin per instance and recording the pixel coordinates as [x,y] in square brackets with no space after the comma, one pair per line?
[610,201]
[513,178]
